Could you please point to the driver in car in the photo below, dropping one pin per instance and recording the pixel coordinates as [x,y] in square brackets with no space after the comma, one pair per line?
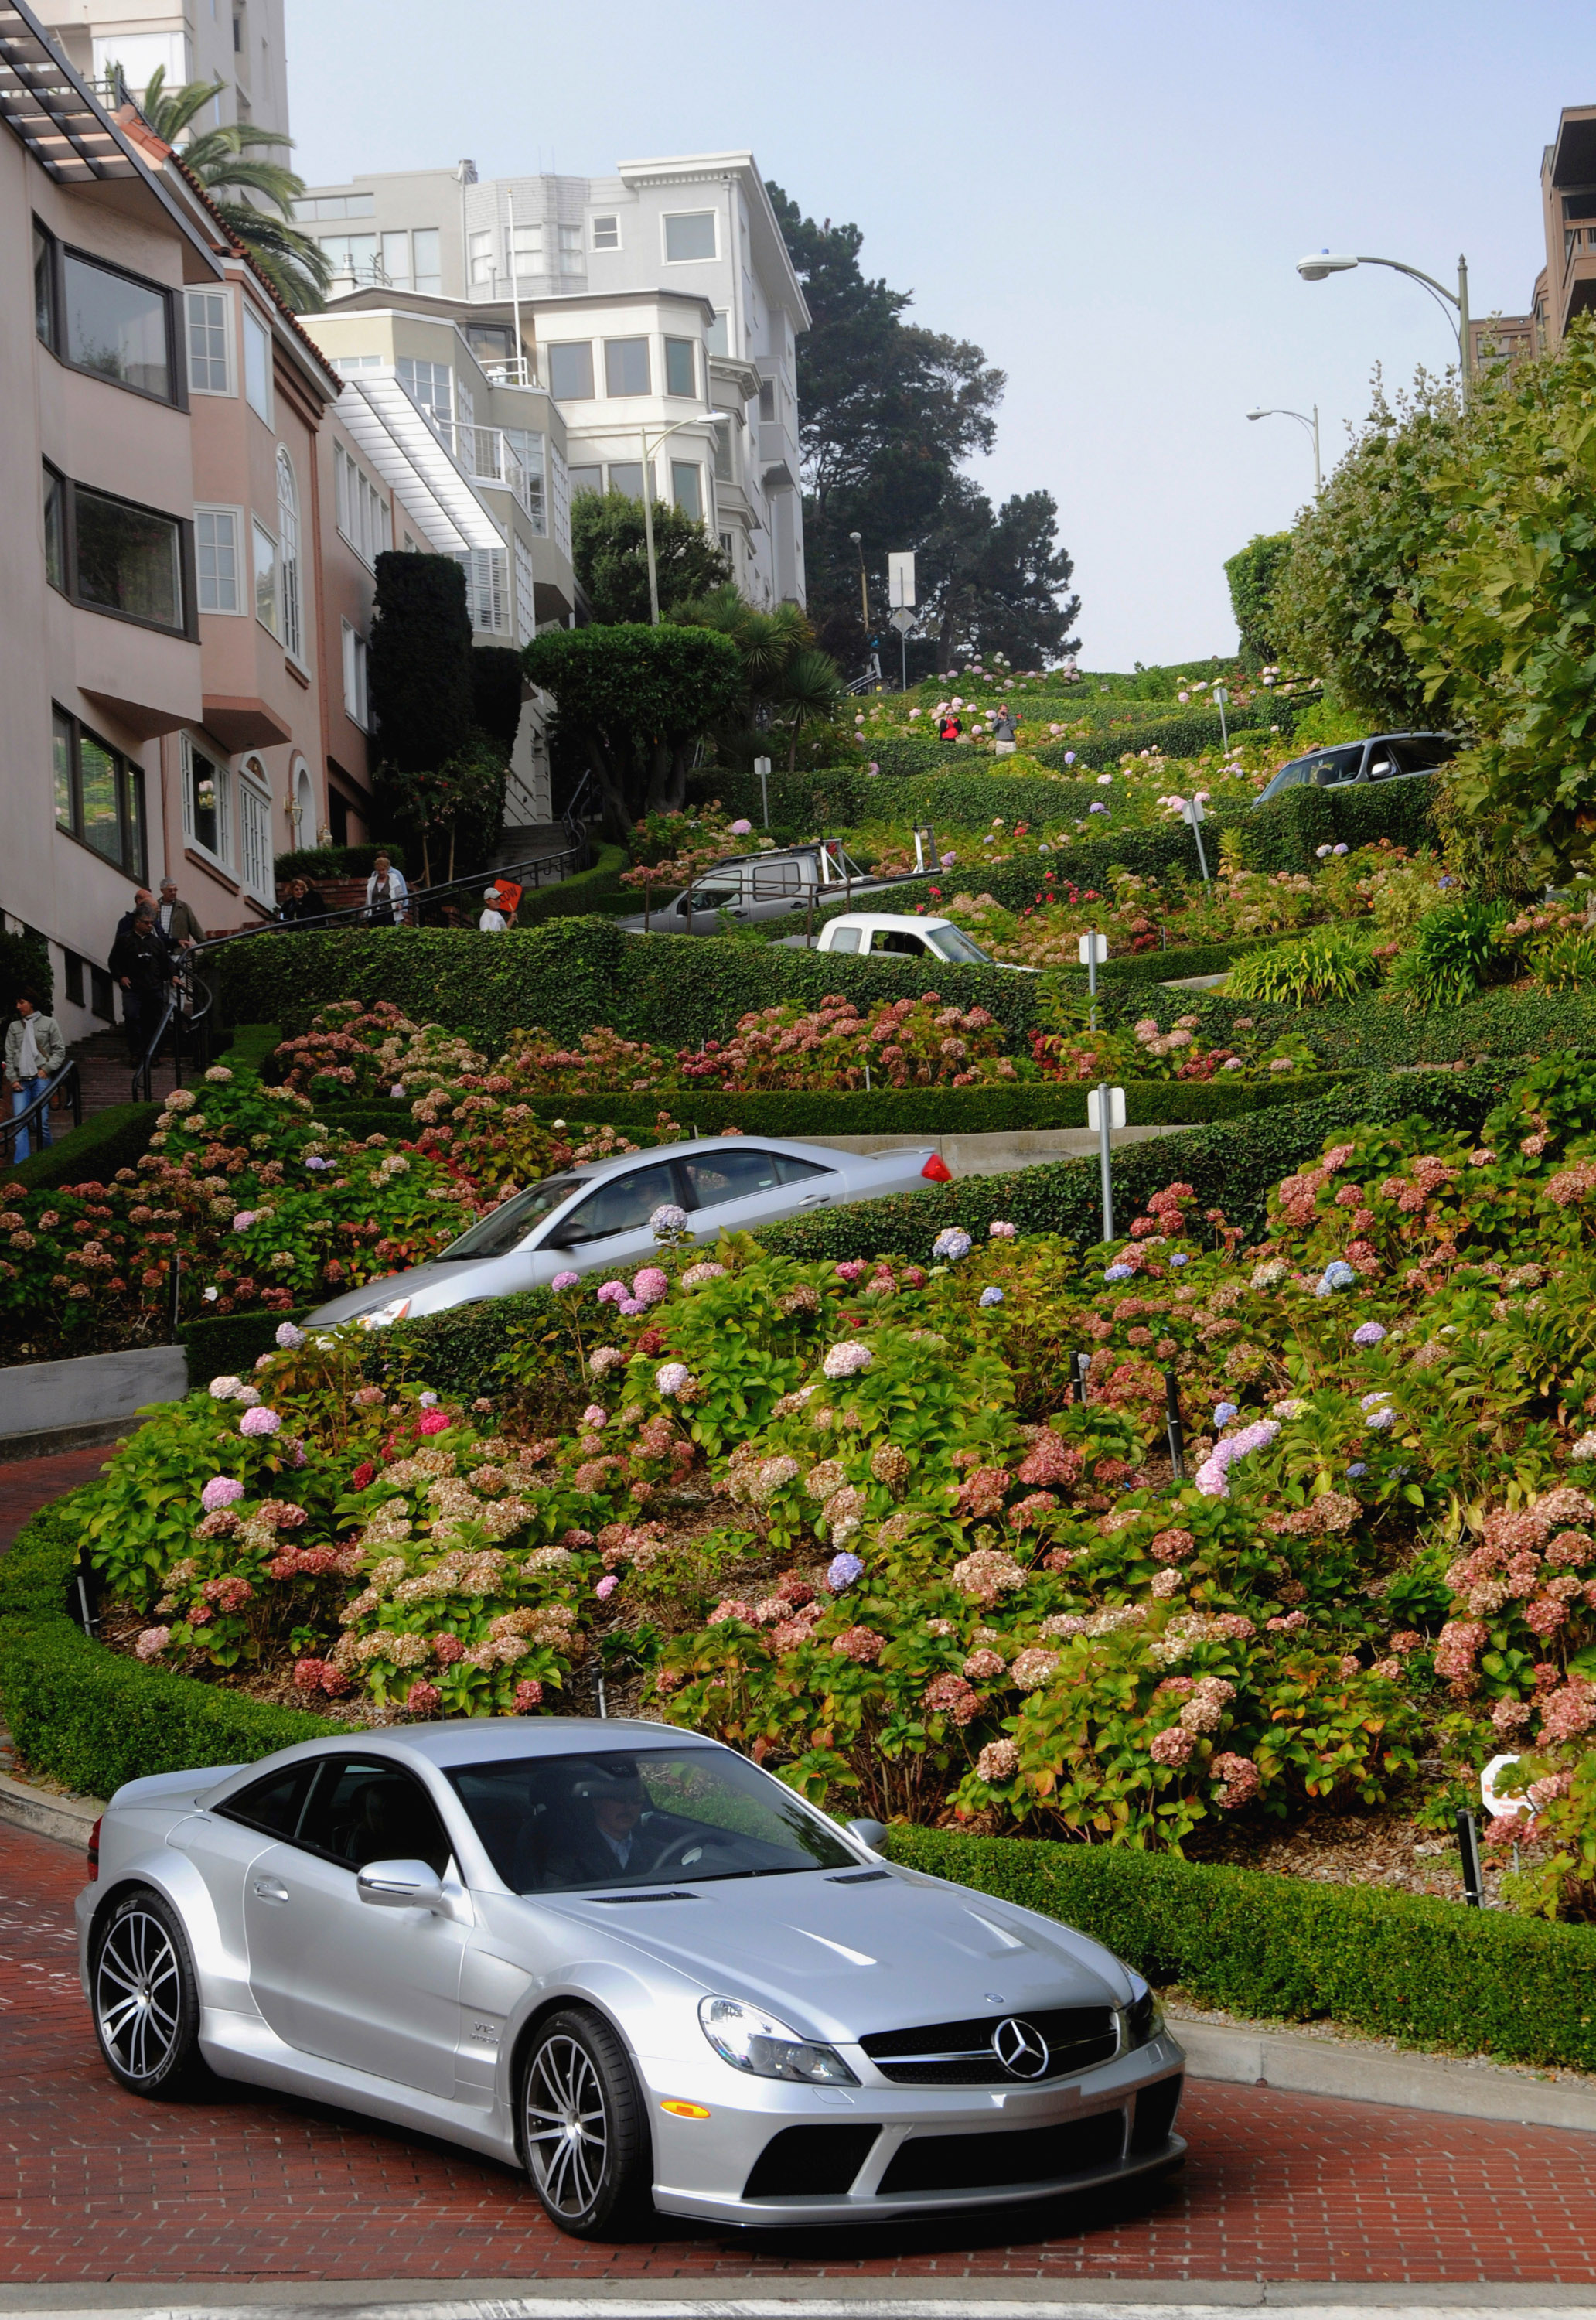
[613,1833]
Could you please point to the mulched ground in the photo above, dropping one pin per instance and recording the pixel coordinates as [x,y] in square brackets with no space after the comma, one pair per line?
[240,2186]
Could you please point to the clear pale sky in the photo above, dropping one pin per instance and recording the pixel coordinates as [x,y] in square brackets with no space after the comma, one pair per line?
[1110,199]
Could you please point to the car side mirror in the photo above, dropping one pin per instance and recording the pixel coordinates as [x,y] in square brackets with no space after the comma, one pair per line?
[869,1832]
[400,1885]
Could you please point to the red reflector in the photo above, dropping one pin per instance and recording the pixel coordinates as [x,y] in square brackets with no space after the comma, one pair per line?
[938,1170]
[93,1853]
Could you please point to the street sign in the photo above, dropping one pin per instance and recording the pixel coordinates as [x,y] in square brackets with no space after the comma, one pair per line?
[1094,1096]
[903,619]
[1219,697]
[1191,811]
[900,578]
[1095,949]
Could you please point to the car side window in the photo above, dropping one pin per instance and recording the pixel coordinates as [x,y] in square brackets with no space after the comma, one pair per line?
[728,1174]
[1339,766]
[273,1805]
[624,1204]
[845,938]
[1382,761]
[895,938]
[365,1809]
[790,1171]
[1421,753]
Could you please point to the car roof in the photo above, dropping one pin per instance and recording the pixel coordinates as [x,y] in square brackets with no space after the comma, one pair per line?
[478,1740]
[595,1172]
[873,919]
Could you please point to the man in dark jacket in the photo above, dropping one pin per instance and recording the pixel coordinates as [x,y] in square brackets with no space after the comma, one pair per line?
[142,962]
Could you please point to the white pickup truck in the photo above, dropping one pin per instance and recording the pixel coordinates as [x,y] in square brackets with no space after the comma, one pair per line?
[880,933]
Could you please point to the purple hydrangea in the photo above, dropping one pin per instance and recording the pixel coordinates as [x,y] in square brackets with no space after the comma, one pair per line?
[630,1305]
[316,1162]
[1368,1333]
[1380,1420]
[612,1293]
[842,1570]
[1357,1468]
[289,1336]
[257,1422]
[1212,1477]
[668,1219]
[993,1296]
[1069,756]
[1224,1413]
[1178,1259]
[567,1281]
[1119,1273]
[1097,806]
[951,1243]
[670,1379]
[1374,1400]
[221,1490]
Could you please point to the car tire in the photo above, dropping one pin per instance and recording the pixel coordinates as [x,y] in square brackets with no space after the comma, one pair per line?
[144,1997]
[585,2135]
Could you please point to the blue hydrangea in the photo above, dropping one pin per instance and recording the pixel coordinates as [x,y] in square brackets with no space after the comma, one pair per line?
[1179,1258]
[1356,1468]
[841,1572]
[993,1296]
[1224,1413]
[1336,1275]
[1367,1333]
[1119,1273]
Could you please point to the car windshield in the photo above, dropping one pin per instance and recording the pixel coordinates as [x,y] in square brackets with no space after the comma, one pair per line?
[956,945]
[507,1225]
[642,1816]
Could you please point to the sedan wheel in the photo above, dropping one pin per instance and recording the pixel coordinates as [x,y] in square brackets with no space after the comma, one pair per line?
[146,2000]
[586,2142]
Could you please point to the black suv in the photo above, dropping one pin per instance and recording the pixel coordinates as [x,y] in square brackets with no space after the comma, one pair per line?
[1384,757]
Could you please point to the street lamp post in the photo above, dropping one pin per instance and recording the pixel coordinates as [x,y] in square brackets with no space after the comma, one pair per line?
[1302,420]
[694,419]
[1315,268]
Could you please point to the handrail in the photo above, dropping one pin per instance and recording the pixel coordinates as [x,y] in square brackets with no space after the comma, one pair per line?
[181,1025]
[417,899]
[18,1123]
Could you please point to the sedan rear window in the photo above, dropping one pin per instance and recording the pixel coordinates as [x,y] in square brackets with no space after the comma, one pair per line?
[507,1225]
[655,1816]
[729,1174]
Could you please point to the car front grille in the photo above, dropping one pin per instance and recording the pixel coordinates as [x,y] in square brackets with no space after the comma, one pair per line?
[809,2162]
[1018,2157]
[961,2053]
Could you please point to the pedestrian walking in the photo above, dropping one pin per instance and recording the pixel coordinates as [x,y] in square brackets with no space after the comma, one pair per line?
[387,894]
[35,1052]
[141,964]
[174,919]
[492,920]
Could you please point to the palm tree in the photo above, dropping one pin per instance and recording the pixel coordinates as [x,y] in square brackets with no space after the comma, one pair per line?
[230,171]
[789,682]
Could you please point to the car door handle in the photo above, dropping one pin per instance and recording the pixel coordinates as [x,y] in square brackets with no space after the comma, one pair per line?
[815,1199]
[270,1888]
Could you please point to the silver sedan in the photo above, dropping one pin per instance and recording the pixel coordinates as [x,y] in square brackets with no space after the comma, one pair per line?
[598,1218]
[625,1959]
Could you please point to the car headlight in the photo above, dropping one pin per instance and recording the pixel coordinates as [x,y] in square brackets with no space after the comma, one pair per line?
[381,1316]
[1143,2018]
[755,2042]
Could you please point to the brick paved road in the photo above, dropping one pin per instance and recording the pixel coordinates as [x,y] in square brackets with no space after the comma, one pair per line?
[26,1484]
[245,2186]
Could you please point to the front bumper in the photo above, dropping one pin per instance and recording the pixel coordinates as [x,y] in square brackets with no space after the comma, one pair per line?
[875,2155]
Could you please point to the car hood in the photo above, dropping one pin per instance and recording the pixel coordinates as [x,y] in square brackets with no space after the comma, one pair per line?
[839,1960]
[417,1283]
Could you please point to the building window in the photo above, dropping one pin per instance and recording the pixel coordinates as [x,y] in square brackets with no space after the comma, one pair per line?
[725,470]
[487,571]
[526,594]
[216,560]
[363,514]
[559,501]
[429,265]
[115,326]
[718,338]
[768,398]
[690,234]
[205,785]
[258,366]
[681,368]
[355,698]
[526,253]
[686,487]
[570,249]
[210,341]
[255,857]
[346,366]
[606,234]
[626,475]
[265,578]
[396,260]
[479,252]
[115,557]
[586,479]
[528,446]
[99,795]
[335,205]
[726,546]
[288,555]
[570,371]
[429,385]
[352,256]
[626,366]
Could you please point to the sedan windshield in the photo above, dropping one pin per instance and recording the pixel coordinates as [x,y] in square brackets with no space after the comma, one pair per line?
[507,1225]
[957,946]
[650,1817]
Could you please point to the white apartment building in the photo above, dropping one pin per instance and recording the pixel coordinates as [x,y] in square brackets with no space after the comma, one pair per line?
[638,297]
[239,42]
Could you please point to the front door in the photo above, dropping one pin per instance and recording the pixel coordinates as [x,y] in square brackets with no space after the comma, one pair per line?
[376,1989]
[609,1231]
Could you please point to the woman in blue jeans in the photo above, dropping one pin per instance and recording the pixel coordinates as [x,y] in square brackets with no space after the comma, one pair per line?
[34,1053]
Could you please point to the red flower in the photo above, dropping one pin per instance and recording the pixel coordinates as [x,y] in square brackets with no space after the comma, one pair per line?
[364,1475]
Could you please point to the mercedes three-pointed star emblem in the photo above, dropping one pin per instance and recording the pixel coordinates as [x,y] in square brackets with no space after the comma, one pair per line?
[1021,2048]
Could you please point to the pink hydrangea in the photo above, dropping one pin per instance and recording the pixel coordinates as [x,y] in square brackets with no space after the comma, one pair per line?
[651,1284]
[221,1490]
[863,1645]
[1239,1776]
[432,1421]
[423,1699]
[596,1414]
[1033,1668]
[606,1586]
[1172,1748]
[152,1643]
[529,1695]
[951,1696]
[998,1760]
[567,1281]
[671,1378]
[258,1422]
[612,1292]
[847,1359]
[999,1229]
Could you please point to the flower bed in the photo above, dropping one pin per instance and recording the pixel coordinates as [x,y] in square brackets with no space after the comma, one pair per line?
[857,1517]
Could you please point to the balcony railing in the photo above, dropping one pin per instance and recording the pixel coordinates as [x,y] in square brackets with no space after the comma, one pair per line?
[487,456]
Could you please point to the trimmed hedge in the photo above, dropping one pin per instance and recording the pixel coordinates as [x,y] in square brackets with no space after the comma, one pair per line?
[229,1345]
[92,1718]
[1427,1972]
[113,1138]
[574,973]
[597,891]
[1377,1035]
[1233,1165]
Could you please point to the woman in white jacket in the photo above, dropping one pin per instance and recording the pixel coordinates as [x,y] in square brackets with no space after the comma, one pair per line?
[387,894]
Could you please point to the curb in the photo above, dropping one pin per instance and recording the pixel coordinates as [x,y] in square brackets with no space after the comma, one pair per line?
[67,1819]
[967,2298]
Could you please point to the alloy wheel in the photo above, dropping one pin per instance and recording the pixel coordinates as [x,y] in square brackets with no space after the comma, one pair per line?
[567,2126]
[139,1993]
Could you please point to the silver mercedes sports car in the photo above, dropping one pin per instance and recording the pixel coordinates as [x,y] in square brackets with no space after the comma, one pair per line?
[626,1959]
[596,1218]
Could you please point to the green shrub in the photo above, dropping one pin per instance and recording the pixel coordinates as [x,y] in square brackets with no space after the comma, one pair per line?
[1454,951]
[90,1717]
[594,891]
[1329,963]
[335,861]
[113,1138]
[1426,1972]
[1371,1035]
[25,966]
[250,1044]
[230,1344]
